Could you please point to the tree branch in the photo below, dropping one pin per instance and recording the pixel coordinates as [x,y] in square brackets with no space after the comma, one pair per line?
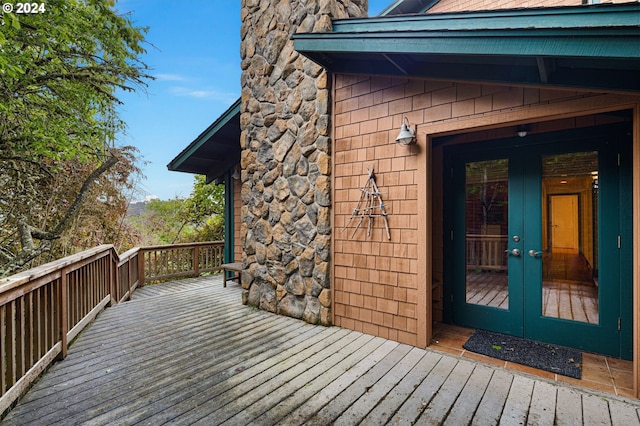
[82,194]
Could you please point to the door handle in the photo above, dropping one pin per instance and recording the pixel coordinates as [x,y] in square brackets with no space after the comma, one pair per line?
[514,252]
[534,253]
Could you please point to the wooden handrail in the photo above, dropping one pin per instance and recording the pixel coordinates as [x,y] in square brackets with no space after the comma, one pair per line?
[486,251]
[44,308]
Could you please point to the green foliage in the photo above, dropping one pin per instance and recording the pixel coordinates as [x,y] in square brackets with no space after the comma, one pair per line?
[200,217]
[160,222]
[60,71]
[205,200]
[59,74]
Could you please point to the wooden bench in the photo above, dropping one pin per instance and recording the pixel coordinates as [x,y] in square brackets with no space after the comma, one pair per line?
[233,267]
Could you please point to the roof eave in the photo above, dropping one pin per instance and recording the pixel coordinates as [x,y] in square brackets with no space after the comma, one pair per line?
[591,53]
[178,163]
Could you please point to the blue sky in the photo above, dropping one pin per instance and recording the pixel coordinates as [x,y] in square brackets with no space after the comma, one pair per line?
[194,53]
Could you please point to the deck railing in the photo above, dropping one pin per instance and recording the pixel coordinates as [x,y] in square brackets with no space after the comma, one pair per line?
[487,252]
[43,309]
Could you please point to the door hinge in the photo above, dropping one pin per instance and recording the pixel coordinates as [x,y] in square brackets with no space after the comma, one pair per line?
[618,159]
[619,242]
[619,324]
[452,172]
[451,235]
[451,297]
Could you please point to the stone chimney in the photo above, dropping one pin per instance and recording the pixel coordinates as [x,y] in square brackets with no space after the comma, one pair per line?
[285,123]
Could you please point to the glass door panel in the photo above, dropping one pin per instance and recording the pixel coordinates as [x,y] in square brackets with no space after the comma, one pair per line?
[536,237]
[486,227]
[570,248]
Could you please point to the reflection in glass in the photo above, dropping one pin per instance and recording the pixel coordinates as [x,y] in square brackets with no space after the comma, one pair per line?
[486,224]
[570,242]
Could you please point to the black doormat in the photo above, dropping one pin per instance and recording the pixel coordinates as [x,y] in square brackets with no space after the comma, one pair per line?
[543,356]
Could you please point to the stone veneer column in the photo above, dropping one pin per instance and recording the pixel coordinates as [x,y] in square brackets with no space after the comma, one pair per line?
[286,158]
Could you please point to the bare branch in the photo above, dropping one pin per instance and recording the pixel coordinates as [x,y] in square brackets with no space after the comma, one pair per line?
[82,194]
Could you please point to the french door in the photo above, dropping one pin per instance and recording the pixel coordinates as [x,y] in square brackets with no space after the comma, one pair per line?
[536,241]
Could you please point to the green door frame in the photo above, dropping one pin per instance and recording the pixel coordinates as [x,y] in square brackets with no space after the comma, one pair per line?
[508,321]
[615,263]
[228,217]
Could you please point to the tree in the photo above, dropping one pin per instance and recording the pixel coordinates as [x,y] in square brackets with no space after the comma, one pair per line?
[60,70]
[200,217]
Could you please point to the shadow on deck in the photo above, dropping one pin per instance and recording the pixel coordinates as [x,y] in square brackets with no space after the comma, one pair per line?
[189,352]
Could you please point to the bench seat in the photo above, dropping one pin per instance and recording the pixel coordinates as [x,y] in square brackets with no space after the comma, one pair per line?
[233,267]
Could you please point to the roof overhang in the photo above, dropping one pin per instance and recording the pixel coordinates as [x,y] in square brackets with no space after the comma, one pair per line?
[593,47]
[402,7]
[214,151]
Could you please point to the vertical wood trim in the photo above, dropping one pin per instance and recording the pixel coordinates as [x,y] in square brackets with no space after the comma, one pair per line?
[332,251]
[64,313]
[424,277]
[636,250]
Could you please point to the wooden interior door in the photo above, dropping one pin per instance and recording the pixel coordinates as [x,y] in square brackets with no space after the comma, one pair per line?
[564,223]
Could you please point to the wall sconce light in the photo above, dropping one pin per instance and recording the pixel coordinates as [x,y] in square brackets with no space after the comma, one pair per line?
[236,173]
[407,135]
[522,130]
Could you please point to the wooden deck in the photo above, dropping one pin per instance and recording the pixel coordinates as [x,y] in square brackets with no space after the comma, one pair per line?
[560,299]
[190,353]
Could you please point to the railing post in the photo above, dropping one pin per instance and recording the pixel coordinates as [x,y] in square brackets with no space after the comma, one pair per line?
[196,260]
[140,267]
[129,263]
[64,311]
[114,281]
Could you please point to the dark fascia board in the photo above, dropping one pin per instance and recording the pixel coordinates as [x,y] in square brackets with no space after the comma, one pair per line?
[599,44]
[403,7]
[605,31]
[210,132]
[586,16]
[587,42]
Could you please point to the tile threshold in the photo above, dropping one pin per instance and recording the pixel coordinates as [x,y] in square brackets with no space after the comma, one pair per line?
[597,371]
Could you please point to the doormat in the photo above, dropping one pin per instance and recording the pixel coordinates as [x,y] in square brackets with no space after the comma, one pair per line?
[543,356]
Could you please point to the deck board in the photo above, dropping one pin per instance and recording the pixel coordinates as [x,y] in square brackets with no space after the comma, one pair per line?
[190,353]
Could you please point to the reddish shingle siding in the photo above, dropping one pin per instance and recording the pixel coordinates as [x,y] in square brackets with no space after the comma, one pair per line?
[375,279]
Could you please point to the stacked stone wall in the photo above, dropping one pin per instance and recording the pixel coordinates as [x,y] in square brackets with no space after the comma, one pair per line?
[286,158]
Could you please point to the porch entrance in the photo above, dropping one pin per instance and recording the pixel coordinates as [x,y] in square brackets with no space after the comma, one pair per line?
[536,240]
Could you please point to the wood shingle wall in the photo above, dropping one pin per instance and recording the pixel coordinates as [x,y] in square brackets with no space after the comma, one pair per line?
[445,6]
[386,287]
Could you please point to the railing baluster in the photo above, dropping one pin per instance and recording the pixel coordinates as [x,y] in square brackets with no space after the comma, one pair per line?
[4,355]
[39,328]
[20,336]
[196,261]
[64,311]
[29,332]
[11,343]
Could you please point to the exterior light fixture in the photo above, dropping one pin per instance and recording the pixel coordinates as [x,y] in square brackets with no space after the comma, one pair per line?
[236,173]
[407,135]
[522,130]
